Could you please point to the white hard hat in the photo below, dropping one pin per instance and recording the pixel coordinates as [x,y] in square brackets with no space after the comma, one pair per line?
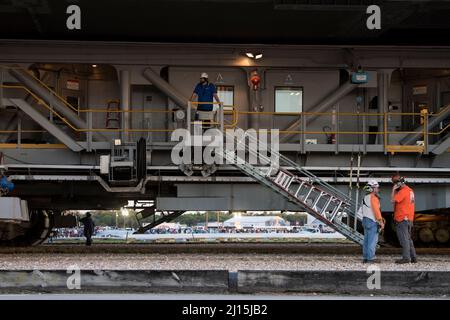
[373,183]
[204,75]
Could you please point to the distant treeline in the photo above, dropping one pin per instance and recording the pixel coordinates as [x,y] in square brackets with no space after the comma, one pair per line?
[115,218]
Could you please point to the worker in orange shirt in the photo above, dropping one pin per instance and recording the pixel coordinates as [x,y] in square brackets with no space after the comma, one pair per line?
[371,219]
[403,199]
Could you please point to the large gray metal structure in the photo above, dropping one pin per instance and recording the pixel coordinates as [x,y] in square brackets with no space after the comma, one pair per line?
[60,155]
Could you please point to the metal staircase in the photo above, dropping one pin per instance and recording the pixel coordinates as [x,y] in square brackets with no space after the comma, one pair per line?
[164,216]
[299,186]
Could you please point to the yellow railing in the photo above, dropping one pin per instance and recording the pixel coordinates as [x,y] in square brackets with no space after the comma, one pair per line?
[236,117]
[385,132]
[53,92]
[92,111]
[233,112]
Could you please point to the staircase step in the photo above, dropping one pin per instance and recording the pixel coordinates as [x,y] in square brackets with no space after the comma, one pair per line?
[281,183]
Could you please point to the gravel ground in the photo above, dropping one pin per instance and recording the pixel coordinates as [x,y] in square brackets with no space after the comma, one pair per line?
[231,262]
[213,248]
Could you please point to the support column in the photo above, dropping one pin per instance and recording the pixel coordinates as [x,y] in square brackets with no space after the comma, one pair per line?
[125,104]
[1,86]
[383,87]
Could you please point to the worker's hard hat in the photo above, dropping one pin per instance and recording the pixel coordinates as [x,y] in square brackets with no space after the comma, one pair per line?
[204,75]
[373,183]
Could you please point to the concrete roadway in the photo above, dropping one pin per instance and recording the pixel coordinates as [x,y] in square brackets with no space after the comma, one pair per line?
[195,296]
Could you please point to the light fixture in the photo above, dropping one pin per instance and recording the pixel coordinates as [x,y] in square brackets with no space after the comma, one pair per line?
[94,66]
[117,142]
[124,212]
[255,56]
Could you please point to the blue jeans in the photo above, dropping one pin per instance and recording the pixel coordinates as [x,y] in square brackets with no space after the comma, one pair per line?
[370,238]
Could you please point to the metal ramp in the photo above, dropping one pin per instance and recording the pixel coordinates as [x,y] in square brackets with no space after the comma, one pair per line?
[309,192]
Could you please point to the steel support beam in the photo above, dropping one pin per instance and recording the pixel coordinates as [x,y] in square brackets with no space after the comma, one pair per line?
[44,123]
[443,146]
[35,87]
[12,125]
[433,122]
[125,103]
[175,95]
[322,106]
[383,87]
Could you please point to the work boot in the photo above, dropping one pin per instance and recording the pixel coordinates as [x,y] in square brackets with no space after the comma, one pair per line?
[402,261]
[373,261]
[414,260]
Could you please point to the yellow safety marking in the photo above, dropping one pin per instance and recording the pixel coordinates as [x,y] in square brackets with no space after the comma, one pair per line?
[32,146]
[398,148]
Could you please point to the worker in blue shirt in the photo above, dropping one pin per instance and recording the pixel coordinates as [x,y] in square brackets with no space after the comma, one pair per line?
[205,92]
[6,186]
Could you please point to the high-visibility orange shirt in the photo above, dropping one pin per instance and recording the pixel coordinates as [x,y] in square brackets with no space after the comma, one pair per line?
[375,205]
[404,204]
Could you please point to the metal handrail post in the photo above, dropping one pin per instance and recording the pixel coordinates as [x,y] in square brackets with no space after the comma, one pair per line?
[89,132]
[336,128]
[425,131]
[364,119]
[51,110]
[188,116]
[303,130]
[221,113]
[385,132]
[355,221]
[1,86]
[19,132]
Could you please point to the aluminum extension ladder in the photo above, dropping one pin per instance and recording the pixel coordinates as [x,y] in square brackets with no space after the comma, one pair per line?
[309,192]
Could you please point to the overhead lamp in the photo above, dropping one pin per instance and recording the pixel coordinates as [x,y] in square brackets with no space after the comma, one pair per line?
[94,66]
[124,212]
[117,142]
[255,56]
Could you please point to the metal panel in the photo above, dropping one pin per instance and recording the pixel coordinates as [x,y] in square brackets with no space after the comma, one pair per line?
[324,105]
[192,203]
[240,197]
[13,209]
[165,87]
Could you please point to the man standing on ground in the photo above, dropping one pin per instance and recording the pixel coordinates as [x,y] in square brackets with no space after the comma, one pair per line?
[371,221]
[89,226]
[403,199]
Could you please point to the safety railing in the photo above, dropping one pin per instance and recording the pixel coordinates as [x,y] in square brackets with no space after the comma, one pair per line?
[91,112]
[223,111]
[219,113]
[385,135]
[51,91]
